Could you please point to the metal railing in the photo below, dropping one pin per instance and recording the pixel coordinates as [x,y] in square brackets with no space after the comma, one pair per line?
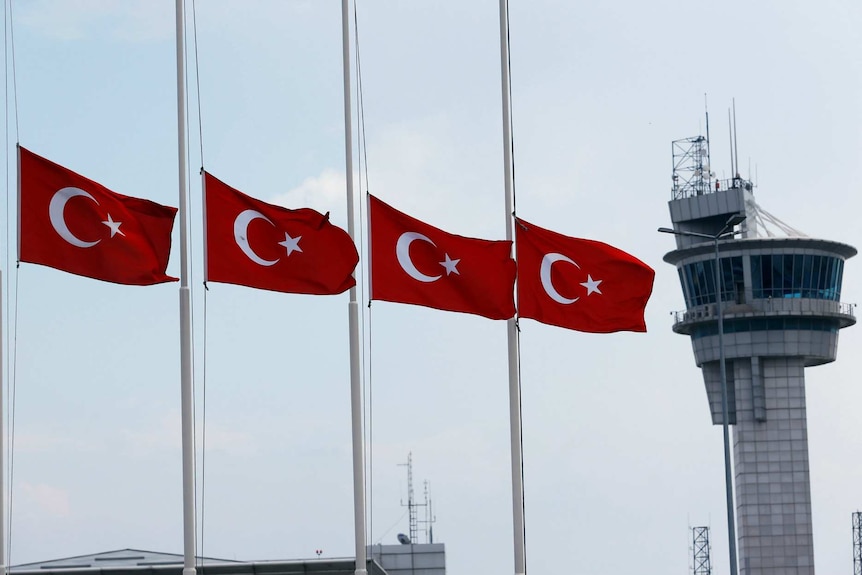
[702,187]
[769,306]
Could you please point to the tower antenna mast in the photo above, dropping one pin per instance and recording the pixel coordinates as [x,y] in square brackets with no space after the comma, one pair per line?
[430,518]
[708,157]
[735,148]
[411,501]
[730,129]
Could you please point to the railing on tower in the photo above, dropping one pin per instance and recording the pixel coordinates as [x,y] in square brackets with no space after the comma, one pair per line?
[776,306]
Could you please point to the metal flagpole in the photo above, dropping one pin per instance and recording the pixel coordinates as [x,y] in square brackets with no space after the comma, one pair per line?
[185,312]
[353,314]
[511,325]
[2,444]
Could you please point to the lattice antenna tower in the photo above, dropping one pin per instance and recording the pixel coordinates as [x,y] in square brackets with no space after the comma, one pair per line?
[691,170]
[857,543]
[700,551]
[430,517]
[412,506]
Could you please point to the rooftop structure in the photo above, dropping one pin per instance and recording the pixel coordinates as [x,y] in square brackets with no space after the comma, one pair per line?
[138,562]
[382,560]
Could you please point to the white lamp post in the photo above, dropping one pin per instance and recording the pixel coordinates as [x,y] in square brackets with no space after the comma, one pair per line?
[725,232]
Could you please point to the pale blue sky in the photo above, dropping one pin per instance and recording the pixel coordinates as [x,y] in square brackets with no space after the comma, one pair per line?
[620,458]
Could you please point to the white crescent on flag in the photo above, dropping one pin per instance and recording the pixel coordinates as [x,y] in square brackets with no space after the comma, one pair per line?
[402,252]
[545,275]
[58,221]
[240,235]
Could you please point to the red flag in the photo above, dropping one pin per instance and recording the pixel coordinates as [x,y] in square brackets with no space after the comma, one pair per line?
[579,284]
[71,223]
[413,262]
[255,244]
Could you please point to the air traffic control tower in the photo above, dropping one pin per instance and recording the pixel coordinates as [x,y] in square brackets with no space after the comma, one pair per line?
[780,300]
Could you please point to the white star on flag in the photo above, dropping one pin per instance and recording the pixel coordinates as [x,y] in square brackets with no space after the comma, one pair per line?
[592,285]
[291,244]
[115,226]
[450,265]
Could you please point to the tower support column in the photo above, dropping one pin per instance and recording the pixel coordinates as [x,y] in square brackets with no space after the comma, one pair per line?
[773,491]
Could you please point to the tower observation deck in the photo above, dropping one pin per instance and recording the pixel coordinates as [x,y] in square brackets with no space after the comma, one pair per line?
[782,311]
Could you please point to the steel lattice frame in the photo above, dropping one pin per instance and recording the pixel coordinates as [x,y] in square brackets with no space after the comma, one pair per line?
[691,175]
[700,551]
[857,543]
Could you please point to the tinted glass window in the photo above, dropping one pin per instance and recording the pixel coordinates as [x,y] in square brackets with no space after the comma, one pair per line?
[699,280]
[796,276]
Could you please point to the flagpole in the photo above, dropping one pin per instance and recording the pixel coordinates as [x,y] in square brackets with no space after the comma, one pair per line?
[511,324]
[353,314]
[185,312]
[2,445]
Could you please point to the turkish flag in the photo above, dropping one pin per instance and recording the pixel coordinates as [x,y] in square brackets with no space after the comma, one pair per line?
[71,223]
[579,284]
[413,262]
[251,243]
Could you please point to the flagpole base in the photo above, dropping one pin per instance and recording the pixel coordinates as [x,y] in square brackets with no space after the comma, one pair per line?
[189,571]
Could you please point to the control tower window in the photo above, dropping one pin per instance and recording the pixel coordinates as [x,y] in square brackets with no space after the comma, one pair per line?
[699,281]
[796,276]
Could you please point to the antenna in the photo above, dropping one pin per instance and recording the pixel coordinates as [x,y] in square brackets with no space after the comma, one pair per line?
[730,129]
[411,504]
[735,148]
[413,507]
[708,158]
[691,170]
[430,518]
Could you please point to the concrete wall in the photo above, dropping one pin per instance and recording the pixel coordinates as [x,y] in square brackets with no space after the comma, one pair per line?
[773,491]
[419,559]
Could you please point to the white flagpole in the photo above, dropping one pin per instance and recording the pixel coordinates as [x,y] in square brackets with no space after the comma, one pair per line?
[511,325]
[185,312]
[353,312]
[2,445]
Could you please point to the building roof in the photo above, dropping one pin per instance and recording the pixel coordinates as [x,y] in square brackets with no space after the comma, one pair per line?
[707,247]
[140,562]
[118,558]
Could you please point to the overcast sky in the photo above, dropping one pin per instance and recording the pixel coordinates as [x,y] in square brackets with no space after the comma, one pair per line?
[620,456]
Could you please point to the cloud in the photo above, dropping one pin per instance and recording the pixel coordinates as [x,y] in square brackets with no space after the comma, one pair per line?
[424,167]
[324,193]
[50,500]
[434,169]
